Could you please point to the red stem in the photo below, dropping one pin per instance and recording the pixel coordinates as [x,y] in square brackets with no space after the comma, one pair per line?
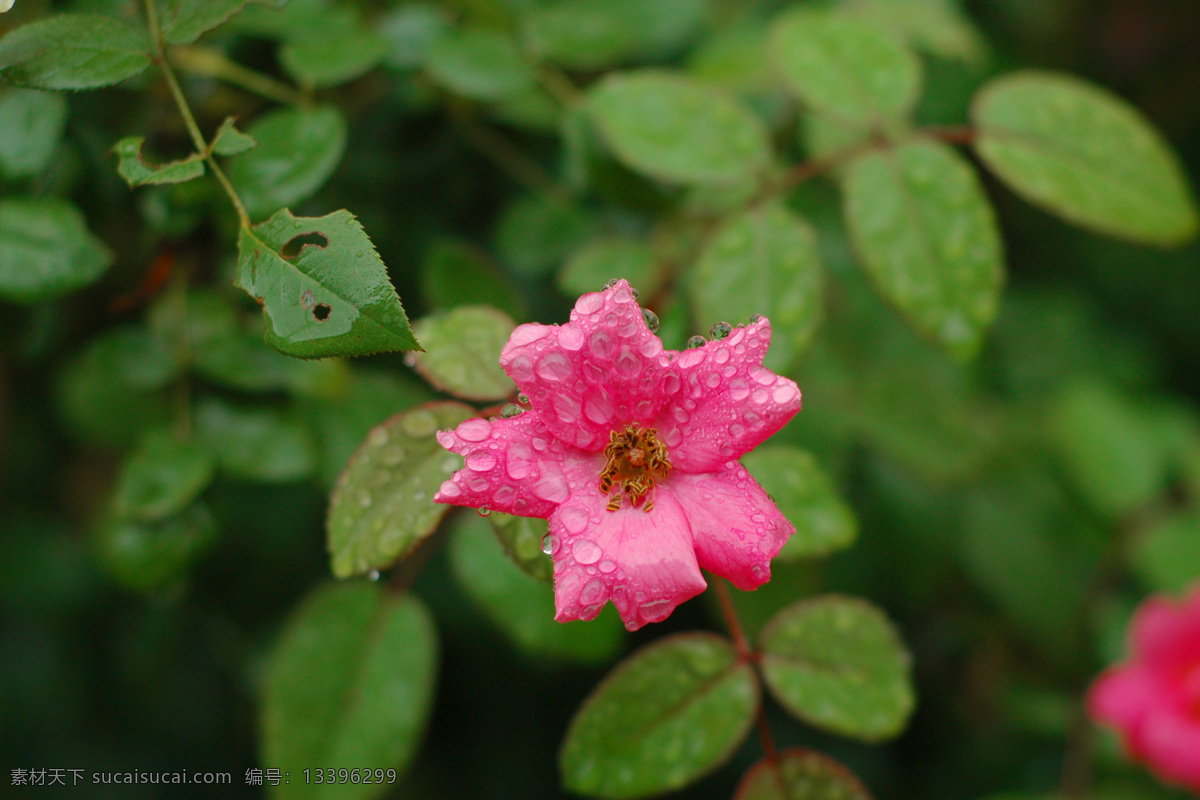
[747,655]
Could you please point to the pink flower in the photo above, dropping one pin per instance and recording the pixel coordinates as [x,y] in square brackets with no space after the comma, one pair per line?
[631,452]
[1153,699]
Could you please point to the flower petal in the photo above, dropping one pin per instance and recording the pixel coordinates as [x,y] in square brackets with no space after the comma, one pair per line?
[722,401]
[736,528]
[642,560]
[1122,697]
[1171,746]
[587,377]
[513,465]
[1166,634]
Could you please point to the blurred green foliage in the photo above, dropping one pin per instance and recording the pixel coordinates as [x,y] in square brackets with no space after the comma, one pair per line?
[1020,465]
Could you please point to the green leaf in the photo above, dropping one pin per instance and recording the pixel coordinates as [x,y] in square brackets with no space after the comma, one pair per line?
[798,774]
[74,51]
[462,352]
[927,235]
[837,663]
[521,606]
[332,60]
[937,27]
[323,288]
[110,393]
[137,172]
[258,444]
[298,149]
[588,34]
[31,124]
[146,555]
[806,496]
[229,141]
[536,232]
[764,261]
[382,507]
[665,716]
[1167,557]
[521,540]
[1108,448]
[670,127]
[161,477]
[456,274]
[410,32]
[350,682]
[601,261]
[184,21]
[480,64]
[844,68]
[1083,154]
[46,250]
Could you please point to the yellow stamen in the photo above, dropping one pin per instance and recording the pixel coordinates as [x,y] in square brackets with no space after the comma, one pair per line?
[636,459]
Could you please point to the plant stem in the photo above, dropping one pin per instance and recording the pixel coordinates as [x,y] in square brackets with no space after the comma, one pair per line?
[213,63]
[745,653]
[185,111]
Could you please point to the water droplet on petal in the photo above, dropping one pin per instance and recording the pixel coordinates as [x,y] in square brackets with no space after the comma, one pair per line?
[696,341]
[592,592]
[606,566]
[474,430]
[720,330]
[522,397]
[484,511]
[481,460]
[553,367]
[511,410]
[754,318]
[586,551]
[651,320]
[570,337]
[549,544]
[739,389]
[574,520]
[656,611]
[373,575]
[784,393]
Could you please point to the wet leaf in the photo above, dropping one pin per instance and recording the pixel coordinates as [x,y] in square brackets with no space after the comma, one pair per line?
[665,716]
[136,172]
[670,127]
[382,507]
[1084,154]
[323,288]
[31,124]
[927,235]
[764,261]
[844,68]
[521,606]
[46,250]
[351,682]
[74,51]
[824,522]
[837,663]
[161,477]
[521,540]
[298,149]
[798,774]
[147,554]
[260,444]
[480,64]
[462,352]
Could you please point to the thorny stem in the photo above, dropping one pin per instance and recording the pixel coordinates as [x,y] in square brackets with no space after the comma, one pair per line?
[213,63]
[745,653]
[189,120]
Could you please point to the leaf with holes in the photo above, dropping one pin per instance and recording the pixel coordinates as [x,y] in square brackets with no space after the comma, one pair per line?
[927,234]
[665,716]
[520,606]
[298,149]
[74,51]
[824,522]
[764,261]
[229,141]
[351,682]
[162,476]
[137,172]
[323,288]
[462,352]
[184,21]
[480,64]
[31,124]
[844,68]
[521,538]
[670,127]
[1079,152]
[382,507]
[837,663]
[46,250]
[799,774]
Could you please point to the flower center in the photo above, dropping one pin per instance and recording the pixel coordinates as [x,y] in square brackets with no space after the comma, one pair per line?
[636,459]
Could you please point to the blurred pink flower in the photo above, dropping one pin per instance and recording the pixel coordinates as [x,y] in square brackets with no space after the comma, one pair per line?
[1153,698]
[631,452]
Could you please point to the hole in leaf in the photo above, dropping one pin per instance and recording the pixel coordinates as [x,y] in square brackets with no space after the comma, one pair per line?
[321,312]
[297,244]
